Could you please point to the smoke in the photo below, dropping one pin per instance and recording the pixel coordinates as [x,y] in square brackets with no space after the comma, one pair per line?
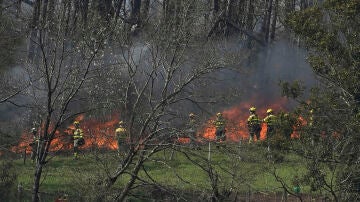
[257,79]
[281,61]
[250,78]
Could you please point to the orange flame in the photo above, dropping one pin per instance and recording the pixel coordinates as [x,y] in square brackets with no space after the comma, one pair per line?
[236,125]
[100,134]
[96,134]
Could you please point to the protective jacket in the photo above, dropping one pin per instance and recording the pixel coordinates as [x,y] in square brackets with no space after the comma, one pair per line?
[220,123]
[78,133]
[270,120]
[120,133]
[253,122]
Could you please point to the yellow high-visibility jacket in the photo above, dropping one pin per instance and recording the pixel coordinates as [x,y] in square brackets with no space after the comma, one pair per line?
[253,120]
[270,120]
[78,133]
[120,133]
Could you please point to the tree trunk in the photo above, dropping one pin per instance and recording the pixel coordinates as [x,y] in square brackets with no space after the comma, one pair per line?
[135,11]
[289,6]
[241,13]
[249,21]
[131,182]
[268,19]
[36,14]
[303,4]
[250,16]
[51,11]
[216,6]
[75,14]
[1,3]
[263,25]
[168,9]
[109,10]
[84,7]
[145,9]
[18,7]
[214,184]
[67,7]
[44,13]
[229,15]
[34,30]
[273,24]
[178,10]
[118,6]
[36,185]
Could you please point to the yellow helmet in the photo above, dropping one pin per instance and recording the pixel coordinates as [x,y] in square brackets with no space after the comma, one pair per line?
[219,114]
[76,122]
[252,109]
[269,111]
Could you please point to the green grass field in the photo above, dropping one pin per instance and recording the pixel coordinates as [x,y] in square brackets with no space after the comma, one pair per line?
[239,168]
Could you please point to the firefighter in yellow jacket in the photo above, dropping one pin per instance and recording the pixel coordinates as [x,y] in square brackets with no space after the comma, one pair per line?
[78,138]
[121,136]
[219,124]
[254,125]
[271,122]
[192,127]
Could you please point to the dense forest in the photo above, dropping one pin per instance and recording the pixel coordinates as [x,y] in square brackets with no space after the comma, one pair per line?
[151,63]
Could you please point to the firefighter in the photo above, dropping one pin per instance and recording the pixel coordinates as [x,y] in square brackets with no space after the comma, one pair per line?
[192,126]
[219,124]
[311,117]
[78,138]
[253,124]
[315,136]
[271,122]
[286,123]
[34,144]
[121,135]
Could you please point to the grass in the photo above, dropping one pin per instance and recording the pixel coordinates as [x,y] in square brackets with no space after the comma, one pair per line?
[237,168]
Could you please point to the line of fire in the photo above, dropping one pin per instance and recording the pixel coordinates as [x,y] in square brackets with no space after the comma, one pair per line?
[100,134]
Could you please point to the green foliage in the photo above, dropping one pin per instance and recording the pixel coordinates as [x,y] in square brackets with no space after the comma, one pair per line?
[66,176]
[292,90]
[331,31]
[8,178]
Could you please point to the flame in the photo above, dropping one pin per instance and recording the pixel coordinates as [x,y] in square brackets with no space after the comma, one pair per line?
[99,134]
[183,140]
[25,140]
[300,122]
[236,125]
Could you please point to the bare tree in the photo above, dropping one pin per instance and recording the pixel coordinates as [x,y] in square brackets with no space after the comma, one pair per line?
[59,72]
[152,81]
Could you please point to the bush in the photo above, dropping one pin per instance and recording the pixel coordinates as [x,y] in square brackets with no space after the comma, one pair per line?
[8,179]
